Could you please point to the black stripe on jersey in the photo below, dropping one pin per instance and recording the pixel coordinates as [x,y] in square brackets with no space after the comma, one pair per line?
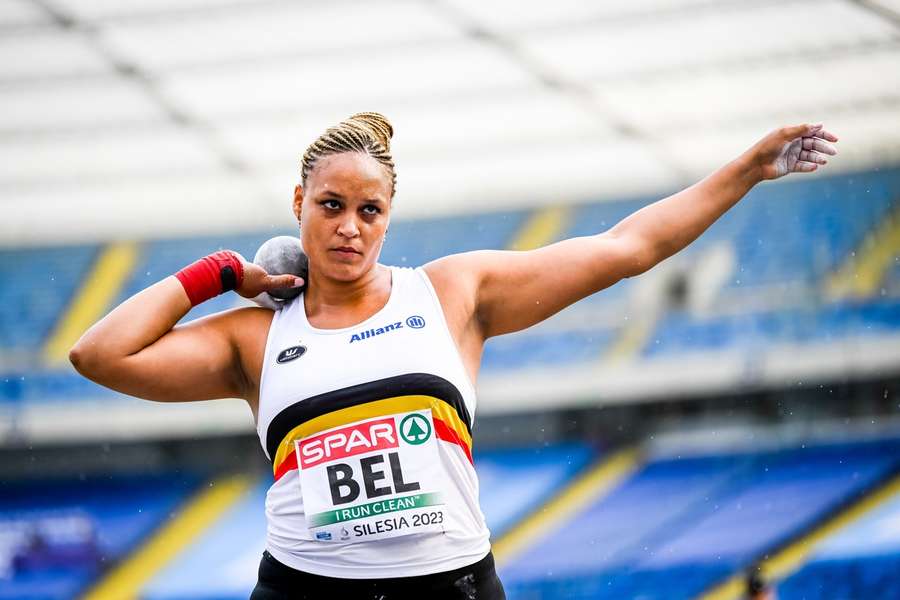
[411,384]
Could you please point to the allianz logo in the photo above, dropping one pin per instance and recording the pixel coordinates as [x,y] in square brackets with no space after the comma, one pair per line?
[413,322]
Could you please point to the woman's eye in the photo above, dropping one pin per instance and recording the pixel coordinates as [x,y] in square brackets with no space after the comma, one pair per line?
[371,209]
[331,204]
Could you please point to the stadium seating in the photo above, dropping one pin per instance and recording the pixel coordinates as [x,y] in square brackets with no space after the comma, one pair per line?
[787,233]
[161,258]
[681,332]
[56,536]
[683,523]
[861,561]
[544,349]
[36,286]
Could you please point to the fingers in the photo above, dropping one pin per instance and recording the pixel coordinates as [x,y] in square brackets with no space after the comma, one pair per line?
[796,131]
[815,130]
[280,282]
[803,166]
[814,143]
[827,135]
[813,157]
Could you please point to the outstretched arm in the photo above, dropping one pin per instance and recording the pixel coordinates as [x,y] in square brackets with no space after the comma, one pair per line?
[514,290]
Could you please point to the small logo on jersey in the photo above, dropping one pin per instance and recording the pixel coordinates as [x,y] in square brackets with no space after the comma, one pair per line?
[415,429]
[289,354]
[413,322]
[323,535]
[370,333]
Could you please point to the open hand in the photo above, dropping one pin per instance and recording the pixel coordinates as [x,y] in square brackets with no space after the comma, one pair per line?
[795,149]
[256,281]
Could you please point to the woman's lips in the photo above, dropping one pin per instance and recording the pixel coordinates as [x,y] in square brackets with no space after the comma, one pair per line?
[346,252]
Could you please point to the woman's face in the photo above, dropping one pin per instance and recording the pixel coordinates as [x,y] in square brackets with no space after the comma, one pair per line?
[344,211]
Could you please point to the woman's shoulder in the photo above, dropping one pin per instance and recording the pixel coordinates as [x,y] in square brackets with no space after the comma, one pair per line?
[244,323]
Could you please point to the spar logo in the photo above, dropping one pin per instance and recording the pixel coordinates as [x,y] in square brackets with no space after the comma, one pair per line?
[415,429]
[349,441]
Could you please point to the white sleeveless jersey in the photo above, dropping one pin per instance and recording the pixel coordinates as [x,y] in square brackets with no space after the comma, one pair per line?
[369,432]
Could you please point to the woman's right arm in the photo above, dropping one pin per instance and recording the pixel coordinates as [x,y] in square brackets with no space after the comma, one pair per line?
[137,349]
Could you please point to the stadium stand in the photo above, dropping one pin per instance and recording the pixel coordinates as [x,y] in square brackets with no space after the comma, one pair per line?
[56,536]
[681,332]
[682,523]
[161,258]
[862,561]
[37,284]
[794,233]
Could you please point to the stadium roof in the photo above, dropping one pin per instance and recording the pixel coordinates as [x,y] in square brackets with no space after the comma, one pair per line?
[155,117]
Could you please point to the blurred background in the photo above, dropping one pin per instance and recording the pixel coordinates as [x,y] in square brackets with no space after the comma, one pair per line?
[734,410]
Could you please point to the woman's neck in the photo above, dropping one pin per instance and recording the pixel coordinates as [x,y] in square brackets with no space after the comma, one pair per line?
[331,303]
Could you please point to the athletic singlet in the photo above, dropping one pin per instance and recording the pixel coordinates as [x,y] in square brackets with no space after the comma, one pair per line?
[369,432]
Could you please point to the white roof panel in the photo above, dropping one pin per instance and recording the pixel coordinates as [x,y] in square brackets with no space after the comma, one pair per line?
[125,210]
[790,90]
[368,80]
[119,153]
[275,30]
[102,9]
[891,5]
[708,38]
[434,128]
[49,53]
[866,138]
[21,12]
[85,104]
[506,15]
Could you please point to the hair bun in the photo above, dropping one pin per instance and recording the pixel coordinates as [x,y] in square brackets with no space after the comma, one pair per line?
[376,124]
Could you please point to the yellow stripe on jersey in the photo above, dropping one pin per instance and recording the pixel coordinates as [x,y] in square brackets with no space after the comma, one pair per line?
[379,408]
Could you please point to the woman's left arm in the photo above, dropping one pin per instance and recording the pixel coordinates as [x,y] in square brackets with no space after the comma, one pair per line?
[515,290]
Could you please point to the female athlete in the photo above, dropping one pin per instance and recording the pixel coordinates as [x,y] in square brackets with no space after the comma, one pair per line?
[362,388]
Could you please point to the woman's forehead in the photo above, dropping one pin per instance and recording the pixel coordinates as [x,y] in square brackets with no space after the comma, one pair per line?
[350,173]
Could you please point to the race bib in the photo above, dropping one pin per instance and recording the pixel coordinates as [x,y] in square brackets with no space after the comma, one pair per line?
[374,479]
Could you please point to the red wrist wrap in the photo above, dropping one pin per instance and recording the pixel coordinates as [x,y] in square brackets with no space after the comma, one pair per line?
[211,275]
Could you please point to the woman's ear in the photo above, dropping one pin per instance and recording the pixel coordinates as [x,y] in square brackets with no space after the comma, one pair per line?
[298,201]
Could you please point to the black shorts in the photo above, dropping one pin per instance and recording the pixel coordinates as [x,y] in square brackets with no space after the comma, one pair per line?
[478,581]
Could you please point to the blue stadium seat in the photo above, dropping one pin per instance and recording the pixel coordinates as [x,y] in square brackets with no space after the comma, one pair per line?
[679,332]
[60,535]
[681,524]
[35,287]
[860,561]
[544,349]
[515,482]
[416,242]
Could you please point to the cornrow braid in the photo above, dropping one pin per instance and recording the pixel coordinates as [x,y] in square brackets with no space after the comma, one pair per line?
[367,132]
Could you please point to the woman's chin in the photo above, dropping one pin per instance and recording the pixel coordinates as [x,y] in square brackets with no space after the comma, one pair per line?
[345,272]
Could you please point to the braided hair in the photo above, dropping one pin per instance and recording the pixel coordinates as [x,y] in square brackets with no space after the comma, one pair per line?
[367,132]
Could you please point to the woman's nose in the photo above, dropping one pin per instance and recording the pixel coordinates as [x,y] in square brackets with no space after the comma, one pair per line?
[348,227]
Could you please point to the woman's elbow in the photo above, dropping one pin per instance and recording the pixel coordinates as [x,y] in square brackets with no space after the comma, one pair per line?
[635,255]
[86,357]
[79,357]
